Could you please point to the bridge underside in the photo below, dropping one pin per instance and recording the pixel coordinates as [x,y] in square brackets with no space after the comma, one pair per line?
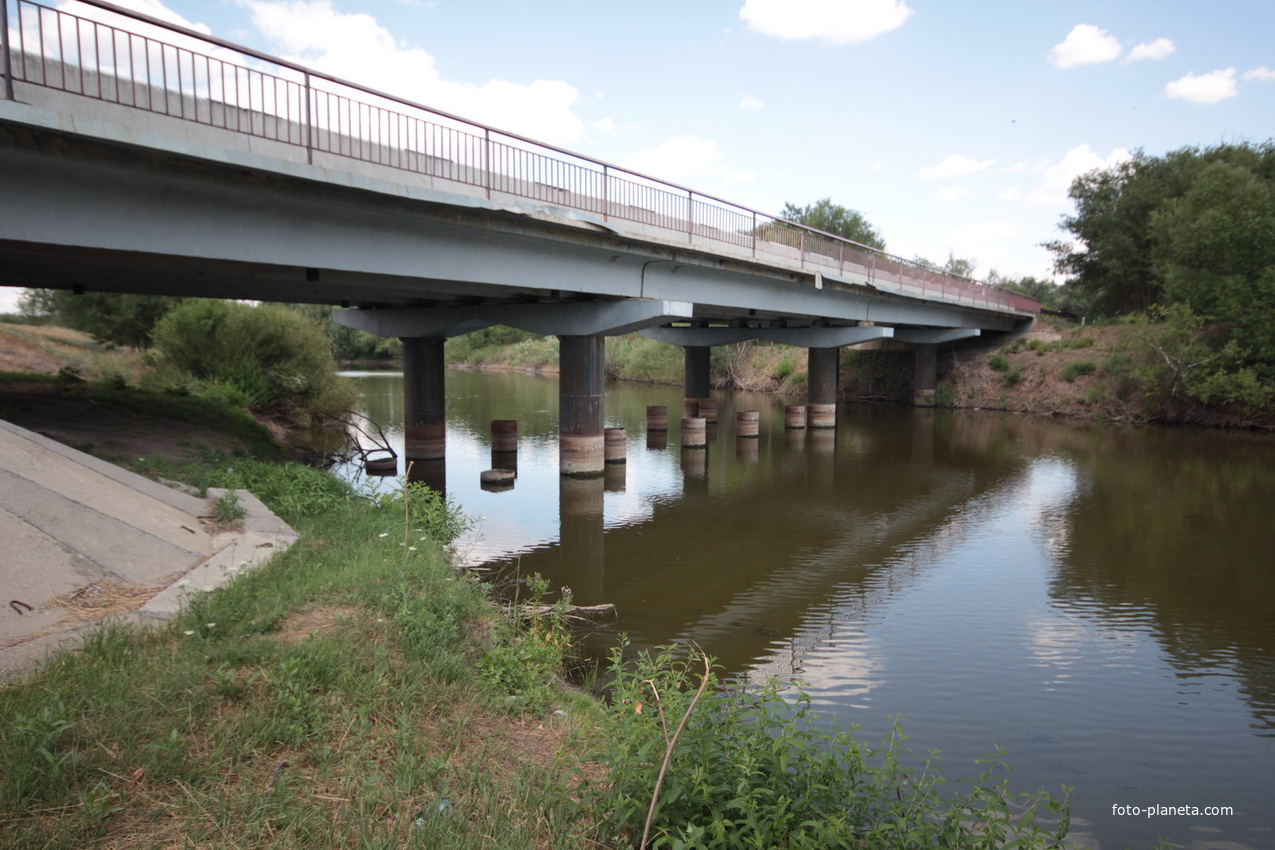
[101,215]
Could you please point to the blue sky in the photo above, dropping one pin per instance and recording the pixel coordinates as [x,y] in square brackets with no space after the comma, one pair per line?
[953,127]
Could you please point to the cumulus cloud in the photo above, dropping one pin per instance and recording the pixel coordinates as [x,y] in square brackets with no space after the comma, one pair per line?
[1058,177]
[1013,193]
[1262,73]
[956,165]
[1212,87]
[750,102]
[1157,49]
[1086,44]
[831,21]
[677,159]
[950,193]
[356,47]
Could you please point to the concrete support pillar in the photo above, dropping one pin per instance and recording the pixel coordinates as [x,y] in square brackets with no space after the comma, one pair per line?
[821,386]
[926,377]
[697,360]
[424,399]
[581,393]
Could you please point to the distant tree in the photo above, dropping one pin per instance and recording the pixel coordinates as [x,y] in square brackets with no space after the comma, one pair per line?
[959,266]
[115,317]
[36,305]
[1049,294]
[835,219]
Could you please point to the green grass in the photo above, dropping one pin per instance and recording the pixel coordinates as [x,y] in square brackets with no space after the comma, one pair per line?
[333,698]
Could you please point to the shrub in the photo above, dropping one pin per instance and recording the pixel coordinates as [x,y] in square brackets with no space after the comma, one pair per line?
[748,768]
[1014,376]
[275,358]
[783,369]
[999,363]
[1076,368]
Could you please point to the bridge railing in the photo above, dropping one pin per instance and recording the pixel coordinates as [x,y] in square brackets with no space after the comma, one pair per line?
[122,57]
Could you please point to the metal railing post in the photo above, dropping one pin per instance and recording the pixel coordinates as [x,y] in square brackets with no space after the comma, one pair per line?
[309,124]
[487,161]
[606,193]
[4,47]
[755,235]
[690,216]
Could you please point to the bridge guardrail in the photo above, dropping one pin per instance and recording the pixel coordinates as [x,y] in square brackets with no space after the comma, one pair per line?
[206,80]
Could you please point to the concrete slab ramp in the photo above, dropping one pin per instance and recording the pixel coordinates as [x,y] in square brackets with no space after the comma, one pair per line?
[73,524]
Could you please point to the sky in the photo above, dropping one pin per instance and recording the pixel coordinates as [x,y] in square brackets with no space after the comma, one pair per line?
[954,128]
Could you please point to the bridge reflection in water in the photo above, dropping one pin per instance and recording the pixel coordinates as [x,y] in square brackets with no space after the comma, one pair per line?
[1095,599]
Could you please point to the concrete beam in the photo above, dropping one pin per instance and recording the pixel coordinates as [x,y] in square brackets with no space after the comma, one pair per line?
[932,336]
[824,337]
[575,318]
[699,337]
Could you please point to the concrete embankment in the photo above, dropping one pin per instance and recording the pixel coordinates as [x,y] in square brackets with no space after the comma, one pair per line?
[85,539]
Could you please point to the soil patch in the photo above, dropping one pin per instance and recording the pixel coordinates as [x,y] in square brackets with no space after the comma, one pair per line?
[103,429]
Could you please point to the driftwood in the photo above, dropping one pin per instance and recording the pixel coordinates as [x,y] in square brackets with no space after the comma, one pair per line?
[584,613]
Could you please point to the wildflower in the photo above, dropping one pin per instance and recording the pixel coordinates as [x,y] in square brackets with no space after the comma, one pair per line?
[182,583]
[188,633]
[383,534]
[208,588]
[210,625]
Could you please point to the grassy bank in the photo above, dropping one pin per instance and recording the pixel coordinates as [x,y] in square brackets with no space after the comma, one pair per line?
[356,692]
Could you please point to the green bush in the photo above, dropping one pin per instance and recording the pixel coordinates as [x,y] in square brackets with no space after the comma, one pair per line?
[1076,368]
[999,363]
[748,768]
[1014,376]
[275,358]
[783,369]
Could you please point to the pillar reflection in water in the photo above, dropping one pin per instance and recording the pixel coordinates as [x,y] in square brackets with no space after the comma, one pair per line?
[580,523]
[432,473]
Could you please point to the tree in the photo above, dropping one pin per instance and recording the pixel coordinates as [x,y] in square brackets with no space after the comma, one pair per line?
[1114,259]
[115,317]
[835,219]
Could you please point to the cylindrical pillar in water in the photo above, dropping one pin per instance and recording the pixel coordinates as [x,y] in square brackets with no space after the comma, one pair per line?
[656,417]
[697,361]
[693,432]
[708,411]
[497,480]
[690,407]
[504,435]
[822,415]
[424,399]
[616,443]
[748,424]
[795,416]
[581,393]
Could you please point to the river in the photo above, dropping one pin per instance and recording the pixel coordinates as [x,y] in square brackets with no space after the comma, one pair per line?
[1099,600]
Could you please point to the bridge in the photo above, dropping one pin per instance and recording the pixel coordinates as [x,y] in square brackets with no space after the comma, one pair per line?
[138,156]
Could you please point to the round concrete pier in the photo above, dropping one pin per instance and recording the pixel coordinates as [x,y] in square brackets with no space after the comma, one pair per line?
[795,416]
[822,415]
[616,445]
[504,435]
[656,417]
[694,432]
[748,424]
[690,407]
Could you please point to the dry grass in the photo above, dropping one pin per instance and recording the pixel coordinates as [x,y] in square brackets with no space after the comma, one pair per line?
[47,349]
[104,597]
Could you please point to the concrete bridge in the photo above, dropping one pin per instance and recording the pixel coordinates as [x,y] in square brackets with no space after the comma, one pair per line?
[136,156]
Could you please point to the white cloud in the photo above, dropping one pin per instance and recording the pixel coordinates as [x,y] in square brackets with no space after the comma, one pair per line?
[1016,167]
[750,102]
[877,166]
[356,47]
[606,125]
[831,21]
[745,176]
[1212,87]
[956,166]
[1013,193]
[950,193]
[1262,73]
[1058,177]
[677,159]
[1157,49]
[1086,44]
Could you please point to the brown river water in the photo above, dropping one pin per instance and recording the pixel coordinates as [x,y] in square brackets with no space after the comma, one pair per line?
[1099,600]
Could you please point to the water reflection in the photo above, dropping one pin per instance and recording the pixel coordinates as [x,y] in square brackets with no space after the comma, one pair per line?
[1093,598]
